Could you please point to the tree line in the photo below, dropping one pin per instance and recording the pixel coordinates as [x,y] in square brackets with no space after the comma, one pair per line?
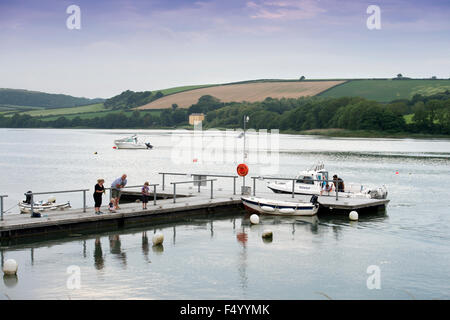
[426,114]
[25,98]
[130,99]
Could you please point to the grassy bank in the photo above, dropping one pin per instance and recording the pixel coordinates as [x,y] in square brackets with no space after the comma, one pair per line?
[387,90]
[343,133]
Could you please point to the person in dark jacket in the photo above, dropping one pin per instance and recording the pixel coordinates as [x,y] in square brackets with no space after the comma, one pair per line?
[99,190]
[338,183]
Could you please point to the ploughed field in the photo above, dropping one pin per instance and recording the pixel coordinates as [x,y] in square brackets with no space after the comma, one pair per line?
[250,92]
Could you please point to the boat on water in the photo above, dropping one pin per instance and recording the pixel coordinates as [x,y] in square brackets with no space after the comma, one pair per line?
[132,142]
[314,180]
[280,207]
[41,206]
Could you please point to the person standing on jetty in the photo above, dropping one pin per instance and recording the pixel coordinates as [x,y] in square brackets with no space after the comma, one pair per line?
[145,194]
[116,186]
[338,184]
[99,190]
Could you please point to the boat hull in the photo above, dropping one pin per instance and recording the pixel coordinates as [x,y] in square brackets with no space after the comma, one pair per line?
[121,145]
[278,208]
[311,192]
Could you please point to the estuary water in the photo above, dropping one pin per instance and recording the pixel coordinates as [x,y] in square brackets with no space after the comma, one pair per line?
[403,253]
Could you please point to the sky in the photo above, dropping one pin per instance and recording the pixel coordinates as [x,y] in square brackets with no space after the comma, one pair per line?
[155,44]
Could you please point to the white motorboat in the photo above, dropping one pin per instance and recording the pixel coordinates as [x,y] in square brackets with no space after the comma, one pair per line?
[41,206]
[132,142]
[280,208]
[313,182]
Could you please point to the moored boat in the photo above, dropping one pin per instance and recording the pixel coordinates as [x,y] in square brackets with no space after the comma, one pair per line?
[313,181]
[41,206]
[131,143]
[279,207]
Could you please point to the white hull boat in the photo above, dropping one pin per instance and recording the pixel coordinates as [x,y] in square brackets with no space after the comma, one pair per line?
[278,207]
[312,182]
[131,143]
[42,207]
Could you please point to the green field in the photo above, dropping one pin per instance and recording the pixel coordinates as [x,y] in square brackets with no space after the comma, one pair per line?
[387,90]
[91,115]
[183,88]
[84,112]
[4,109]
[66,111]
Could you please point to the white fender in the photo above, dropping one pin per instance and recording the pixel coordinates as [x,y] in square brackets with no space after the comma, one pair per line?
[267,209]
[287,210]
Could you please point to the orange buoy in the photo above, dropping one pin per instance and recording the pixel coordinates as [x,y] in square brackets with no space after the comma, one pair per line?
[242,170]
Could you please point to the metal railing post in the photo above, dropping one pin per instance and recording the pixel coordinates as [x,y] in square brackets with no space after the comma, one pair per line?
[212,188]
[234,185]
[32,205]
[174,193]
[154,195]
[1,205]
[199,187]
[337,191]
[293,188]
[84,200]
[163,181]
[254,186]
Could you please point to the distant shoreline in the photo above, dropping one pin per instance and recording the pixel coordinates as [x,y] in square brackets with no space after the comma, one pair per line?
[329,133]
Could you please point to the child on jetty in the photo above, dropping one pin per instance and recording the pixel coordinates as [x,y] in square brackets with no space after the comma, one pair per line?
[145,195]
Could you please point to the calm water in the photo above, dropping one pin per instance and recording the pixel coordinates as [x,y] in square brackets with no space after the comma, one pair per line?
[312,258]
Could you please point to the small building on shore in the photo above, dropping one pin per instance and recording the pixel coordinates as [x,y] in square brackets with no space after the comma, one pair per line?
[195,118]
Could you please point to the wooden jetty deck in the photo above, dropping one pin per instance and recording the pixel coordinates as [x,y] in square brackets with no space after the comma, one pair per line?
[189,202]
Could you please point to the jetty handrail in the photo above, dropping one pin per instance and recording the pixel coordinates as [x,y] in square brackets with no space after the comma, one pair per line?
[191,181]
[293,183]
[154,185]
[220,176]
[51,192]
[32,194]
[170,174]
[200,174]
[1,205]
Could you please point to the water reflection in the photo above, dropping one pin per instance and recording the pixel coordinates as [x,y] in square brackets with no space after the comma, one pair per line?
[99,261]
[115,249]
[158,249]
[84,249]
[242,238]
[241,233]
[145,246]
[212,229]
[10,280]
[174,235]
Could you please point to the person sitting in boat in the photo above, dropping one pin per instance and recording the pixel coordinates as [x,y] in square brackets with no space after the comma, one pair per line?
[27,197]
[338,183]
[326,188]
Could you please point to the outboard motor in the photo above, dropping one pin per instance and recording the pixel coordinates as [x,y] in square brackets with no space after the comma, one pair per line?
[149,146]
[28,198]
[380,193]
[313,199]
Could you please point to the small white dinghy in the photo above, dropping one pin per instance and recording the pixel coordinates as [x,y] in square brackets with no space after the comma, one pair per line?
[280,208]
[41,206]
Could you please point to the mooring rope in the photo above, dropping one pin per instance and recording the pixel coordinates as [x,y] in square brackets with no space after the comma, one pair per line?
[6,211]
